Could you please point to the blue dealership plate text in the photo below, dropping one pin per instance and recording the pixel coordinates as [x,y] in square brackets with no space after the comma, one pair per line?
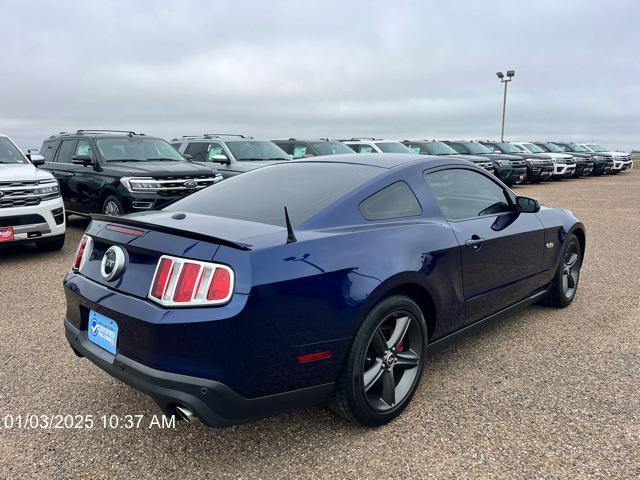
[103,331]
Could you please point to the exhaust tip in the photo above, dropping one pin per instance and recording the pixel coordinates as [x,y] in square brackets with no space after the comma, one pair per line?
[185,414]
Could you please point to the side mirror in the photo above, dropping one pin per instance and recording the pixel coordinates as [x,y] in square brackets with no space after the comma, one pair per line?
[527,205]
[36,159]
[82,160]
[187,156]
[220,159]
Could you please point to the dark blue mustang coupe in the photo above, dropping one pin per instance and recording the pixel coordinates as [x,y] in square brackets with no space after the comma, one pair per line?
[312,281]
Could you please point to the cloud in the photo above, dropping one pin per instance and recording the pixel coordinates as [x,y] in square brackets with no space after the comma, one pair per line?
[278,69]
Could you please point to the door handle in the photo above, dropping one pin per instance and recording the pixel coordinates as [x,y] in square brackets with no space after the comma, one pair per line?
[474,242]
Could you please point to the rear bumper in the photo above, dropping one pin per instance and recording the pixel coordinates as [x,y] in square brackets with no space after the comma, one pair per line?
[214,403]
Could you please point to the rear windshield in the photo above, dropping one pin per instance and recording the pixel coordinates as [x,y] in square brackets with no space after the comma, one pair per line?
[9,153]
[136,149]
[332,148]
[261,195]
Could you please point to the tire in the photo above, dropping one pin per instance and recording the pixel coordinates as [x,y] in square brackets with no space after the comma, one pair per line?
[113,206]
[565,282]
[392,374]
[51,244]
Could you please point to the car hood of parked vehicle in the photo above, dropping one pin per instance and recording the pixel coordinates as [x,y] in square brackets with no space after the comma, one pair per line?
[161,169]
[502,156]
[22,171]
[560,156]
[469,158]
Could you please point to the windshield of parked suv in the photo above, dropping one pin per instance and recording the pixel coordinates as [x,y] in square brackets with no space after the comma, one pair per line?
[533,148]
[393,147]
[332,148]
[251,150]
[507,147]
[552,147]
[439,148]
[136,149]
[9,153]
[596,148]
[573,147]
[469,147]
[304,188]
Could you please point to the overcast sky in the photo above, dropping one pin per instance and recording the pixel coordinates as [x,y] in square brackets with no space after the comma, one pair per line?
[393,69]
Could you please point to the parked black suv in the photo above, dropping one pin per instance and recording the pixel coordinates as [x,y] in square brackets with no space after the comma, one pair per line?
[432,147]
[539,165]
[510,169]
[312,148]
[118,172]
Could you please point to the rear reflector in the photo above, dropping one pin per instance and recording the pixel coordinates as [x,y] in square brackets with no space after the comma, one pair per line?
[179,282]
[128,231]
[314,357]
[83,252]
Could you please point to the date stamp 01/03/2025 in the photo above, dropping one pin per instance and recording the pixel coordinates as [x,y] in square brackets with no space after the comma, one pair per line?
[85,422]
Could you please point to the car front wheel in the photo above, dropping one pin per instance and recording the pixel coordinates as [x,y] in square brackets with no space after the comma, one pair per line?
[384,365]
[112,206]
[565,282]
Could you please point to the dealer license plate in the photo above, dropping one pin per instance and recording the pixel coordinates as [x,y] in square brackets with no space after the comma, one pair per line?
[103,331]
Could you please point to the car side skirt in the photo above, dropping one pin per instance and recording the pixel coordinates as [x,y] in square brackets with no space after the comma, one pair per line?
[442,342]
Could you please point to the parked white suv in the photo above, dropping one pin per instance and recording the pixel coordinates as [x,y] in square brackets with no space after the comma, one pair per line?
[375,145]
[31,208]
[563,164]
[621,160]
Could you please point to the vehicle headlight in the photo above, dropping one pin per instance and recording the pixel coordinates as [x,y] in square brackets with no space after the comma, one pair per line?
[139,184]
[49,188]
[529,161]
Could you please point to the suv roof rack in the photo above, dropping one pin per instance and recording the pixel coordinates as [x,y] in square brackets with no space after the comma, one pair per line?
[212,135]
[89,131]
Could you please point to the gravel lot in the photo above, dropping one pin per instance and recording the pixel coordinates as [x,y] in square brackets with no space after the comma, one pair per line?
[542,394]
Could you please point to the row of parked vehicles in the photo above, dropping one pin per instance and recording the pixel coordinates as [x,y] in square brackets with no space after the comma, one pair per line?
[119,172]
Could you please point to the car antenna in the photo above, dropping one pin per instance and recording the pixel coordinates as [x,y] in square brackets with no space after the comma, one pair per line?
[291,237]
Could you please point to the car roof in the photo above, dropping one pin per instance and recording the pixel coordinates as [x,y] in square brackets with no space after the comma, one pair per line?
[99,134]
[215,136]
[382,160]
[303,140]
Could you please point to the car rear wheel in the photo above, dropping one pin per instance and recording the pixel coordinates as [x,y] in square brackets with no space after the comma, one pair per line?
[384,365]
[112,206]
[565,282]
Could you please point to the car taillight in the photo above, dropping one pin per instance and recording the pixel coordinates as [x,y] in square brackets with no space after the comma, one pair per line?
[83,252]
[179,282]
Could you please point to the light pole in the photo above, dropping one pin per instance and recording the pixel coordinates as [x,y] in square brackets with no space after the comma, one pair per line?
[510,75]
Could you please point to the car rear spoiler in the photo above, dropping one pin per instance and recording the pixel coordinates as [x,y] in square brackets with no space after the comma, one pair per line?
[171,230]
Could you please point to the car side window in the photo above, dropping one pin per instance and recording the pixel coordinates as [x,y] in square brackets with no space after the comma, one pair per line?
[287,147]
[176,146]
[214,149]
[299,150]
[65,152]
[197,150]
[464,194]
[361,147]
[84,148]
[48,150]
[395,201]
